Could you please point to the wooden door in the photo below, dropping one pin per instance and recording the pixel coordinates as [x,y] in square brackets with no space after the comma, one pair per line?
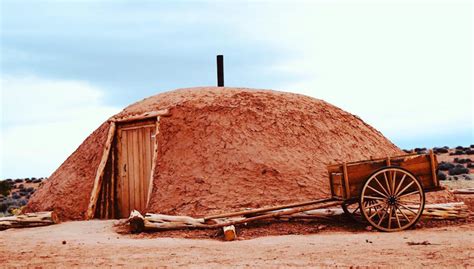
[134,155]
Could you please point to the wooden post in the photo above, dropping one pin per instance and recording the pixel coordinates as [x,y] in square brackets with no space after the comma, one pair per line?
[220,71]
[154,160]
[100,173]
[433,168]
[229,233]
[347,189]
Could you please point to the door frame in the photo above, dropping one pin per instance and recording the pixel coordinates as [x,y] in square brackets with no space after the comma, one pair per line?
[100,180]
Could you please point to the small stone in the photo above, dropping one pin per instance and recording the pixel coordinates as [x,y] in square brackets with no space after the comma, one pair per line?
[64,242]
[369,228]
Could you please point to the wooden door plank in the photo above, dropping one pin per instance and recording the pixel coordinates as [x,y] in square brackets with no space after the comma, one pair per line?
[140,168]
[136,172]
[128,168]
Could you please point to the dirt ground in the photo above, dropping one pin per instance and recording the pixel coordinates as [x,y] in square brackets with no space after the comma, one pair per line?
[96,243]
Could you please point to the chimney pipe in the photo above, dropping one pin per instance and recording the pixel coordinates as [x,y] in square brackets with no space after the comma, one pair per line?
[220,71]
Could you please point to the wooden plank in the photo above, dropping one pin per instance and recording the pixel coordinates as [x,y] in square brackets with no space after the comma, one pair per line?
[347,192]
[146,115]
[154,160]
[433,164]
[100,172]
[148,160]
[139,166]
[261,210]
[112,185]
[128,167]
[134,174]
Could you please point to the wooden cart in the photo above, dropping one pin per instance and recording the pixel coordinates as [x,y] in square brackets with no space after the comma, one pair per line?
[387,193]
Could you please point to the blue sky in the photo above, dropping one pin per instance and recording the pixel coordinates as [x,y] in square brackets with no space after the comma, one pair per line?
[405,67]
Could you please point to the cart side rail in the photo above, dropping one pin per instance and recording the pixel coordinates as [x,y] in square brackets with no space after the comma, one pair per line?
[346,179]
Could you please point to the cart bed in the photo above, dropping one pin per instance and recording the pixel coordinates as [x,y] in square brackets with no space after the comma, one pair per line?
[347,179]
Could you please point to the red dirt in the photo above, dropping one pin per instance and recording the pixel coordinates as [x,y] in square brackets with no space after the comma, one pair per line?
[225,149]
[95,244]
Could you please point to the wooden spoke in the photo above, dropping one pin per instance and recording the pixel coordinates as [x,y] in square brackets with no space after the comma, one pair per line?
[394,177]
[406,187]
[404,215]
[383,195]
[386,182]
[400,184]
[409,209]
[383,216]
[410,193]
[396,216]
[389,217]
[375,205]
[384,190]
[374,197]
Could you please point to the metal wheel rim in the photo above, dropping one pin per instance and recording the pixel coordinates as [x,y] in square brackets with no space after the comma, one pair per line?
[389,187]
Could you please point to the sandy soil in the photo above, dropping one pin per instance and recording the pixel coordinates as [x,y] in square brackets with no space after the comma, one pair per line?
[95,243]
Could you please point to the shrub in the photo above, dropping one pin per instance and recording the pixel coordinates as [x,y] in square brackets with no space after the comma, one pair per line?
[441,175]
[444,166]
[18,180]
[458,170]
[440,150]
[15,196]
[5,188]
[469,151]
[470,165]
[407,151]
[459,147]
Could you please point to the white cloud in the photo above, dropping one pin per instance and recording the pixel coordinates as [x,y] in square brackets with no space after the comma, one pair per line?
[44,121]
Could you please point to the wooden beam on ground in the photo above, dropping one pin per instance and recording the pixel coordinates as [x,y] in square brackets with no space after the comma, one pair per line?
[142,116]
[29,220]
[136,221]
[463,191]
[100,173]
[261,210]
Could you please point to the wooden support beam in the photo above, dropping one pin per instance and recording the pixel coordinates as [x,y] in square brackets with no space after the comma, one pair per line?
[347,189]
[261,210]
[100,173]
[142,116]
[229,233]
[153,162]
[29,220]
[433,165]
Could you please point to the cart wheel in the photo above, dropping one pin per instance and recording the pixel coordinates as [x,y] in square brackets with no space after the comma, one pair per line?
[392,199]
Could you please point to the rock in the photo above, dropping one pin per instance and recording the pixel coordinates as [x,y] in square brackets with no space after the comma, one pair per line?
[441,175]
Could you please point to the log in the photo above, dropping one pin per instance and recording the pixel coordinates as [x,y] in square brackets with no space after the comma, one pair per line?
[136,221]
[267,209]
[229,233]
[142,116]
[150,221]
[100,173]
[463,191]
[29,220]
[154,161]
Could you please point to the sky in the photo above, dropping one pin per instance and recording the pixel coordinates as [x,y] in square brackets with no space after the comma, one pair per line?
[404,67]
